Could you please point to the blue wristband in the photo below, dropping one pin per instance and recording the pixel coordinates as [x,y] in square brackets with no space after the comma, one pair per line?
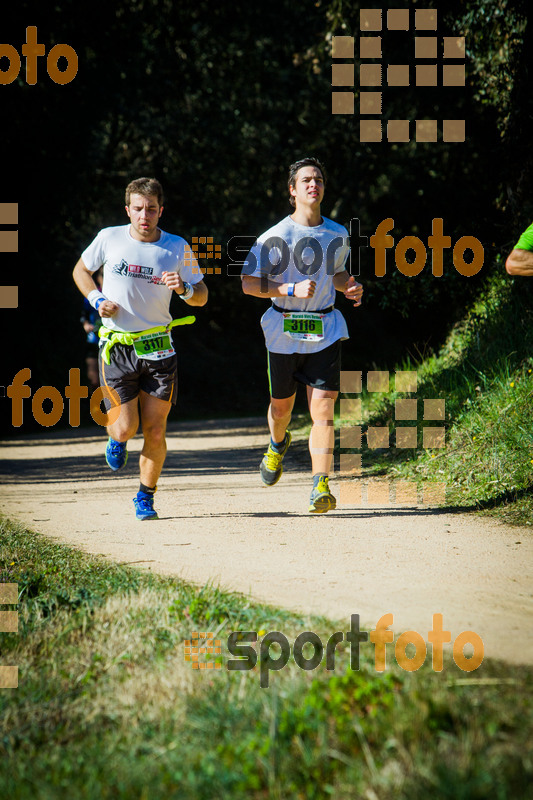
[290,290]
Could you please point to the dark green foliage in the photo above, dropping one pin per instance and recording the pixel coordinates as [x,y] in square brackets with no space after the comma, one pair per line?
[216,100]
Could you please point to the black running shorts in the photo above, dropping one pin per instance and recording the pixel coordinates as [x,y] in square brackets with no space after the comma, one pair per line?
[321,370]
[127,374]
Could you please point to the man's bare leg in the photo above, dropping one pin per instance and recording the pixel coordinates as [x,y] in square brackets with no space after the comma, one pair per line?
[120,432]
[321,441]
[322,438]
[153,416]
[279,417]
[154,413]
[126,425]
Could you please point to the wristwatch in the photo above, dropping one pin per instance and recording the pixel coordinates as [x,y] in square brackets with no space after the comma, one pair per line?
[188,291]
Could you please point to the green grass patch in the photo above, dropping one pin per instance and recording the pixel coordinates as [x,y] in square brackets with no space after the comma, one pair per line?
[107,707]
[484,372]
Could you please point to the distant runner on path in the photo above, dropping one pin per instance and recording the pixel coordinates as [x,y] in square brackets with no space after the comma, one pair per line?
[520,261]
[300,264]
[143,265]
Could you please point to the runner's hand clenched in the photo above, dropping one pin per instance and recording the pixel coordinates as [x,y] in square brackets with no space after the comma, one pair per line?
[173,281]
[304,289]
[107,308]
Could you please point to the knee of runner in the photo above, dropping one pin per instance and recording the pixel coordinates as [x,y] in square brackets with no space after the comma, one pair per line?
[155,434]
[122,434]
[322,411]
[279,411]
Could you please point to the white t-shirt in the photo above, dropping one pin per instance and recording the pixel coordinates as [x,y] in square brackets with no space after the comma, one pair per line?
[132,275]
[288,253]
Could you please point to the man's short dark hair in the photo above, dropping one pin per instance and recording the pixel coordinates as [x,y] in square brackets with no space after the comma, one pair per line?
[293,171]
[145,187]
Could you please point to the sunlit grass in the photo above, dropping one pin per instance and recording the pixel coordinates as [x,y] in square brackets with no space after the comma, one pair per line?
[484,372]
[107,706]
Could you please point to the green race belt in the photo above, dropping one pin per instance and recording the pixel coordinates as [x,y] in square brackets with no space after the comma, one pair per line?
[124,337]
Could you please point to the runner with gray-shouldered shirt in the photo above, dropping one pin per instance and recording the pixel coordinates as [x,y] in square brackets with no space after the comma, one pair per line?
[300,265]
[142,265]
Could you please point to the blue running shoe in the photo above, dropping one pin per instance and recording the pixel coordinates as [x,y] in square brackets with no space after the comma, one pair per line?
[116,454]
[144,506]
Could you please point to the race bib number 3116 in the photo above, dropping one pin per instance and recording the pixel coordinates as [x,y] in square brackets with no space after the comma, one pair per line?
[301,325]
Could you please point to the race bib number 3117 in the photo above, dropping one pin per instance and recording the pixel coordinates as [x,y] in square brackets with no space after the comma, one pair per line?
[154,346]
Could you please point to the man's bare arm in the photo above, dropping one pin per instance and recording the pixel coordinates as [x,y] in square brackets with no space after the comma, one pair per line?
[262,287]
[83,278]
[520,263]
[199,297]
[346,283]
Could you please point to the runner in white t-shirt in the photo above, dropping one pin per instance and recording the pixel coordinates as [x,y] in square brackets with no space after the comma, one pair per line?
[300,264]
[142,265]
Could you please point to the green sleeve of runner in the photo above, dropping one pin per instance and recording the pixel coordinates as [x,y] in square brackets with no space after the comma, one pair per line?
[526,240]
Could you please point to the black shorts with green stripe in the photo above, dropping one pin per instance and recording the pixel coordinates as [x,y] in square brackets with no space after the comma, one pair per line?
[320,369]
[128,374]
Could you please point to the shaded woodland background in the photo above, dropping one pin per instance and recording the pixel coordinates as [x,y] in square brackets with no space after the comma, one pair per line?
[216,100]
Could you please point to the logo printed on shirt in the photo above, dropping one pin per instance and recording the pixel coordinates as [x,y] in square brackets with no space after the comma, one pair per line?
[122,268]
[138,270]
[135,271]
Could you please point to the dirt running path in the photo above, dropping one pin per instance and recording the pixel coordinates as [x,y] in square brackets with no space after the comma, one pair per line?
[218,523]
